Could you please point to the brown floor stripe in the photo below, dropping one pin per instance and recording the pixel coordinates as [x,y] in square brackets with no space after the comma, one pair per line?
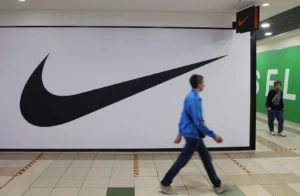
[30,165]
[268,143]
[238,163]
[136,165]
[278,150]
[287,149]
[291,130]
[23,170]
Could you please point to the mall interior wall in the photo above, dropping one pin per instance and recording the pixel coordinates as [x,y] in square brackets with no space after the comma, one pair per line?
[66,55]
[116,18]
[280,60]
[101,88]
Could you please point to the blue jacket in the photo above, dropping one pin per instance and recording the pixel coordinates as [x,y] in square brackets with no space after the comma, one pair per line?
[193,108]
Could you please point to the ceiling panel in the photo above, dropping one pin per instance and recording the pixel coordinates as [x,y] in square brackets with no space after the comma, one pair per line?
[276,7]
[281,23]
[228,6]
[133,5]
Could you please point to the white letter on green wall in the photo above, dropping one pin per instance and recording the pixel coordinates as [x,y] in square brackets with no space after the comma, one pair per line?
[286,85]
[269,81]
[257,84]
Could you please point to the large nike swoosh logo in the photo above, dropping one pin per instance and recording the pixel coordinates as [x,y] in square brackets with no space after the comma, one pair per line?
[41,108]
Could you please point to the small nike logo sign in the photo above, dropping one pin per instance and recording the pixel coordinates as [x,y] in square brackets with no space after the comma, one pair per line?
[44,109]
[241,22]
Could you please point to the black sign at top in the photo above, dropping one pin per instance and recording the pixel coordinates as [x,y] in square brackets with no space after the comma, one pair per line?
[247,20]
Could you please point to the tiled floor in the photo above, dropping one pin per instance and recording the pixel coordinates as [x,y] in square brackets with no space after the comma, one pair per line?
[264,172]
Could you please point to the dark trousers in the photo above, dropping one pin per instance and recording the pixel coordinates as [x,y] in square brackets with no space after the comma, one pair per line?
[278,114]
[187,152]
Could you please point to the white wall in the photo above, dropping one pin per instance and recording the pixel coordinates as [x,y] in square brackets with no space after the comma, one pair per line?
[85,59]
[278,44]
[94,18]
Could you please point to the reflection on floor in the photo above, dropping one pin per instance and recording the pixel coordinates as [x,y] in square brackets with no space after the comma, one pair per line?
[273,169]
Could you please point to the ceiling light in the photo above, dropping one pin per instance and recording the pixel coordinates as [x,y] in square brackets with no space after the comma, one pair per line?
[265,25]
[268,33]
[266,4]
[22,0]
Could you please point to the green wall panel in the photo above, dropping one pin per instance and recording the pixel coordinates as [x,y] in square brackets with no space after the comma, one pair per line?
[283,65]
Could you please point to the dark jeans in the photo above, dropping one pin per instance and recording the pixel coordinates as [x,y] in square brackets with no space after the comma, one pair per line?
[187,152]
[278,114]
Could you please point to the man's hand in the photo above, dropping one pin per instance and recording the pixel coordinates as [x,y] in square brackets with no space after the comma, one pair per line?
[283,109]
[178,139]
[269,108]
[219,139]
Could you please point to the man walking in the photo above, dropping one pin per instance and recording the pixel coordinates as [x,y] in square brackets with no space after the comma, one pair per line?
[275,106]
[193,129]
